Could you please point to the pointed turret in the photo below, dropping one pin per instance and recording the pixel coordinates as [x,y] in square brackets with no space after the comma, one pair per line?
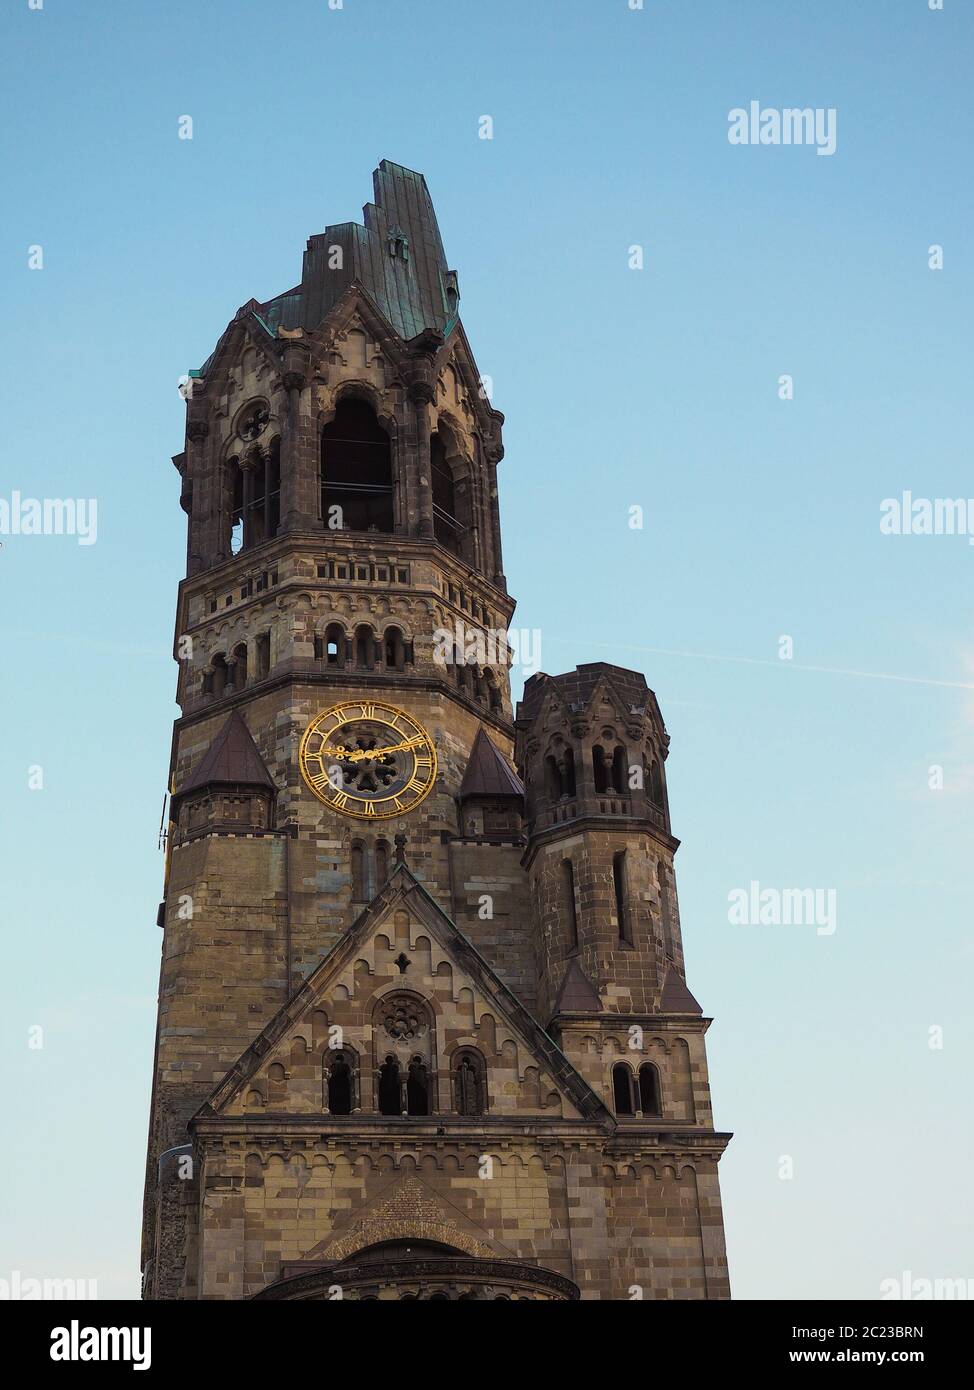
[229,787]
[491,793]
[577,993]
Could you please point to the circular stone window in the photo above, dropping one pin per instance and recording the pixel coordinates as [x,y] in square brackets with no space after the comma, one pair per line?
[254,420]
[403,1018]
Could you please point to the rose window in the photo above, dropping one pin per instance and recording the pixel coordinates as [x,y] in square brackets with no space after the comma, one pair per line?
[254,422]
[403,1019]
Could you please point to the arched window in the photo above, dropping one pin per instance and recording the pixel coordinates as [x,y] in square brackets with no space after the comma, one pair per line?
[622,1090]
[568,881]
[263,651]
[600,770]
[219,674]
[650,1102]
[446,527]
[390,1098]
[403,1020]
[469,1083]
[394,649]
[254,486]
[364,647]
[381,863]
[356,471]
[264,509]
[493,691]
[619,887]
[656,785]
[560,770]
[568,773]
[356,345]
[335,644]
[417,1088]
[358,871]
[339,1085]
[235,489]
[239,668]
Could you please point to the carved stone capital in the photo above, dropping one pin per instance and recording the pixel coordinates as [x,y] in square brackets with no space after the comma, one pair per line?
[197,430]
[295,365]
[421,390]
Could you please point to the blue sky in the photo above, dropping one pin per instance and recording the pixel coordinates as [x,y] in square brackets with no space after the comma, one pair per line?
[656,388]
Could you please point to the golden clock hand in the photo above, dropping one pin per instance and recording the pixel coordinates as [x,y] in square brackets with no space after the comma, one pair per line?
[401,747]
[361,754]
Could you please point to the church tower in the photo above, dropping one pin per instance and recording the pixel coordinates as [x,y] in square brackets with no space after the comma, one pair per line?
[424,1030]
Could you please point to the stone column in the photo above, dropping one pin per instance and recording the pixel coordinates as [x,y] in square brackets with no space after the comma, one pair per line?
[267,458]
[197,498]
[299,448]
[247,467]
[421,391]
[421,396]
[493,455]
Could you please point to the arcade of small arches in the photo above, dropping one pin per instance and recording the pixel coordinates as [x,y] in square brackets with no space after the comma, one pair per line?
[404,1079]
[476,682]
[611,771]
[232,670]
[363,649]
[404,1083]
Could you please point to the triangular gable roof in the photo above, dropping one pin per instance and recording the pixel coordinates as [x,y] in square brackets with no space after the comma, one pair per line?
[577,689]
[232,759]
[355,303]
[488,772]
[577,993]
[675,997]
[248,325]
[404,888]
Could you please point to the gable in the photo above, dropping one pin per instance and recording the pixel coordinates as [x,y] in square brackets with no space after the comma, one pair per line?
[244,360]
[404,984]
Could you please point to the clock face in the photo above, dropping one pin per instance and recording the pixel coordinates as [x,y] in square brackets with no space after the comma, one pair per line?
[368,759]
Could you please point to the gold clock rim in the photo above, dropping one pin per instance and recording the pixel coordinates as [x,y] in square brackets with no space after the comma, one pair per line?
[395,709]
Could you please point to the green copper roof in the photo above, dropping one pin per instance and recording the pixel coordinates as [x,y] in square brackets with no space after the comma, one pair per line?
[397,256]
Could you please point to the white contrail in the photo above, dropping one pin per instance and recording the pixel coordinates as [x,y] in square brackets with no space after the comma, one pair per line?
[766,661]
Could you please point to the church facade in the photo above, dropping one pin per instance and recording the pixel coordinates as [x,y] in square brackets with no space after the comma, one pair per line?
[424,1029]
